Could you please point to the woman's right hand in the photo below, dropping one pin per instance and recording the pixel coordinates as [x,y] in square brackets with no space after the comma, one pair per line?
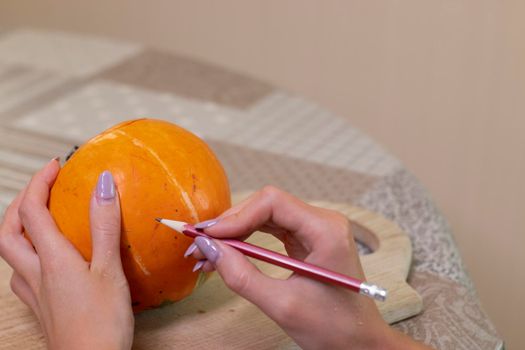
[316,315]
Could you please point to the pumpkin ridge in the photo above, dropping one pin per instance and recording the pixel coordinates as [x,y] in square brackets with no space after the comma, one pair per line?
[140,263]
[187,200]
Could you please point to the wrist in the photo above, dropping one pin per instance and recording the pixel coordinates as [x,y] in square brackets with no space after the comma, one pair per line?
[375,336]
[398,340]
[379,336]
[88,342]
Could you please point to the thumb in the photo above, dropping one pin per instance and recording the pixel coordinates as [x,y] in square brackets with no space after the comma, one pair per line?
[105,225]
[242,277]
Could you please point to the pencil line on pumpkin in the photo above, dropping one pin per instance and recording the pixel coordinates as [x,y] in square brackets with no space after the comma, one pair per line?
[187,200]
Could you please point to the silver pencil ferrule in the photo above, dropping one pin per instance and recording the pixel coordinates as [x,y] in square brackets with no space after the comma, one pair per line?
[373,291]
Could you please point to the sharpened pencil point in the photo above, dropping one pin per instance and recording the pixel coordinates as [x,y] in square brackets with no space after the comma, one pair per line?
[158,219]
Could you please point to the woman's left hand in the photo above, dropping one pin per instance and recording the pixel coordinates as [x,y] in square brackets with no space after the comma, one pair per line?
[79,305]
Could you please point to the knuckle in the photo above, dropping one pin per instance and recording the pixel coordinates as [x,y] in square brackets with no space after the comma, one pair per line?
[271,192]
[22,210]
[341,224]
[51,266]
[26,208]
[108,228]
[107,273]
[341,239]
[13,284]
[16,284]
[287,310]
[239,281]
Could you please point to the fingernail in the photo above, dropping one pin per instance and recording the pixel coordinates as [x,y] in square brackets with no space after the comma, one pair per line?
[205,224]
[190,250]
[198,265]
[209,248]
[56,159]
[105,187]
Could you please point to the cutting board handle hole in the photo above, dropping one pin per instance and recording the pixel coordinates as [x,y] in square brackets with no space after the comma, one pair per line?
[367,241]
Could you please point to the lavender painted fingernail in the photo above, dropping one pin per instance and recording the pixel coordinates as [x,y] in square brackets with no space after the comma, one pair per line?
[198,265]
[205,224]
[190,250]
[209,248]
[105,191]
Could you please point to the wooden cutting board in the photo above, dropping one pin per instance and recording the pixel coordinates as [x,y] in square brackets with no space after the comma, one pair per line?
[215,318]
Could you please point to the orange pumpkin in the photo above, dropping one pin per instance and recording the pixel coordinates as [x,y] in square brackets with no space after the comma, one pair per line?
[160,170]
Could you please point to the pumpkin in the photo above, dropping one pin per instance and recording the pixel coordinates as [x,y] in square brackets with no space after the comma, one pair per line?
[160,170]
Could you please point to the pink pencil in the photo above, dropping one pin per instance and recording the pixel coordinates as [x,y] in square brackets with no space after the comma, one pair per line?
[284,261]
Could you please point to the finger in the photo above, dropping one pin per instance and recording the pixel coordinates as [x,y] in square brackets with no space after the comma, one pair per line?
[14,247]
[22,290]
[208,267]
[239,206]
[35,217]
[197,254]
[11,221]
[233,210]
[203,265]
[105,225]
[242,277]
[274,211]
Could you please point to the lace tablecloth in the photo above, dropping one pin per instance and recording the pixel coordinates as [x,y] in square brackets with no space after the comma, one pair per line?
[59,89]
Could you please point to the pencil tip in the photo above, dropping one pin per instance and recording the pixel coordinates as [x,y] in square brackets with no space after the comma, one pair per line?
[158,219]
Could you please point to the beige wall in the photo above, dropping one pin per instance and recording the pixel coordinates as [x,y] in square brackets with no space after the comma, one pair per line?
[440,83]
